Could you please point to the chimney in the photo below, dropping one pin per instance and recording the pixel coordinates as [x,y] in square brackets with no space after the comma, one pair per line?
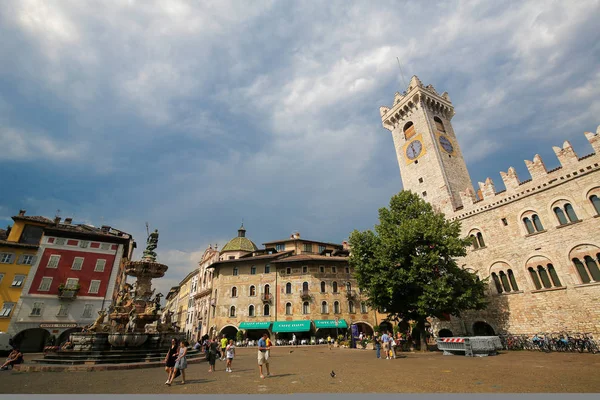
[297,235]
[57,220]
[105,229]
[21,213]
[68,221]
[345,245]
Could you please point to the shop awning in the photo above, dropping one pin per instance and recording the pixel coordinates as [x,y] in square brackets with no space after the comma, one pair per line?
[291,326]
[330,323]
[255,325]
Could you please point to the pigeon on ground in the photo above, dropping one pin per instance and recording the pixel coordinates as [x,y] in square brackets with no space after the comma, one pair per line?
[291,351]
[332,374]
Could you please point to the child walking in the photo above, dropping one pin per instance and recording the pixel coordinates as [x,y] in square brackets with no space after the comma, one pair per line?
[230,350]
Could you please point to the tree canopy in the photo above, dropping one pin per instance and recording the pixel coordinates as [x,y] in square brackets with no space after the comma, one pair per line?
[407,266]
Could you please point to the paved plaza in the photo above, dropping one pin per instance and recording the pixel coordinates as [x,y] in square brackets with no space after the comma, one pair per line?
[307,370]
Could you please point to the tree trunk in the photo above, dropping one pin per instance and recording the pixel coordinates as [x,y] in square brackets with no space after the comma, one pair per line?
[422,334]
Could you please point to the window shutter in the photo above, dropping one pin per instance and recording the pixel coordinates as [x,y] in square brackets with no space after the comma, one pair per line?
[20,260]
[33,260]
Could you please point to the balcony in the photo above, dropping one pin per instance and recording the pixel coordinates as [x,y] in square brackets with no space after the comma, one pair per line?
[267,297]
[305,295]
[68,292]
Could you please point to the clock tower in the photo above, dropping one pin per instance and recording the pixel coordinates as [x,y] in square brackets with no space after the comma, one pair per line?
[430,160]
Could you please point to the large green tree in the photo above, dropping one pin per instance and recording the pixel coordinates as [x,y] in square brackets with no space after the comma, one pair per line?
[408,268]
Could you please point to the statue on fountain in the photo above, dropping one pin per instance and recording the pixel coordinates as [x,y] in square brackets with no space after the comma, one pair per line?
[151,245]
[99,325]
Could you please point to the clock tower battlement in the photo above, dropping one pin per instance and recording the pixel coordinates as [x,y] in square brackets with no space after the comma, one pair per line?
[430,160]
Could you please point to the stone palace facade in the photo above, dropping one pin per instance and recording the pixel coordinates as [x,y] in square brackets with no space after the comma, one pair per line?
[538,241]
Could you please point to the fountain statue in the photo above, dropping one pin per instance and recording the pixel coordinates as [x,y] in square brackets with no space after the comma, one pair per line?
[135,317]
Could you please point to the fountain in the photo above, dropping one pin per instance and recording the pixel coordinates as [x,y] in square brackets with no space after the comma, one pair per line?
[134,320]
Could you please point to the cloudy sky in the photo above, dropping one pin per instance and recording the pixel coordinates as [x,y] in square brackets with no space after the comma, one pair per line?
[194,115]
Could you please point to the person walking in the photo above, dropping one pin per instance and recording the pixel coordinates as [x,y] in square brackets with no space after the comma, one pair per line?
[230,350]
[263,355]
[170,359]
[294,339]
[213,349]
[377,346]
[329,341]
[393,345]
[180,363]
[223,347]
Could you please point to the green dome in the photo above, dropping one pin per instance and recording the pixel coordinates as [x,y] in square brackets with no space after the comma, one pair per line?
[240,243]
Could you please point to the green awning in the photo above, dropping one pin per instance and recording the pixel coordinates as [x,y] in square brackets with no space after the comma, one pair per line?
[255,325]
[291,326]
[330,323]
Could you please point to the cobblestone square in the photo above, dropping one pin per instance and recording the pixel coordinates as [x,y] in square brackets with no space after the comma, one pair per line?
[307,370]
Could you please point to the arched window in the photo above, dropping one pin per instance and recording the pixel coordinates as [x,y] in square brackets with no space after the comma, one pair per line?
[336,307]
[288,288]
[534,278]
[497,282]
[235,271]
[324,308]
[348,286]
[234,292]
[513,281]
[252,290]
[537,222]
[267,289]
[305,308]
[592,268]
[288,308]
[322,287]
[351,307]
[544,277]
[409,130]
[480,239]
[266,310]
[475,242]
[596,203]
[251,311]
[305,287]
[528,225]
[363,307]
[571,213]
[334,286]
[554,276]
[581,270]
[439,125]
[504,280]
[232,311]
[253,270]
[560,215]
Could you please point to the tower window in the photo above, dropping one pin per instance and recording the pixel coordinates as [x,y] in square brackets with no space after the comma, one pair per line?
[409,130]
[420,180]
[424,194]
[504,222]
[439,125]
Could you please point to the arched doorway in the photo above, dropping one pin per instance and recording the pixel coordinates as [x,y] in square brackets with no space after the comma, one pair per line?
[365,328]
[481,328]
[66,334]
[404,326]
[229,331]
[31,340]
[445,333]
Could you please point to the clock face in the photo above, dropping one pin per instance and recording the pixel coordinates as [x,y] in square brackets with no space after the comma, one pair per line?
[414,149]
[446,145]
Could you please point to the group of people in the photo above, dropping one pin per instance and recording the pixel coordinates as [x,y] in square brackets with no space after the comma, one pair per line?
[222,349]
[387,342]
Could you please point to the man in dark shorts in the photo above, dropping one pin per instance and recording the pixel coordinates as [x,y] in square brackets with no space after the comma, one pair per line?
[223,347]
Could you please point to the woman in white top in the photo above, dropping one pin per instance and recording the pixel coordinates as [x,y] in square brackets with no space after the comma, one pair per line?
[230,354]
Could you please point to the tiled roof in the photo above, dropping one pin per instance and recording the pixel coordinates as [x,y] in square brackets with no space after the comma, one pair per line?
[239,244]
[306,257]
[33,218]
[302,240]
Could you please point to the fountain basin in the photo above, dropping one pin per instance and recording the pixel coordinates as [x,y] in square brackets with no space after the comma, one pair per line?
[127,339]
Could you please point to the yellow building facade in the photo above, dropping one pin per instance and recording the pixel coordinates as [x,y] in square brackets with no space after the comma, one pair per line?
[18,252]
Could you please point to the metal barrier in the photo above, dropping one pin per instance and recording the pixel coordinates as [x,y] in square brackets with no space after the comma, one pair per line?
[479,346]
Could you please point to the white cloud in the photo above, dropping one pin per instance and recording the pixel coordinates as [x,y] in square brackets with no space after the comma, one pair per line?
[18,145]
